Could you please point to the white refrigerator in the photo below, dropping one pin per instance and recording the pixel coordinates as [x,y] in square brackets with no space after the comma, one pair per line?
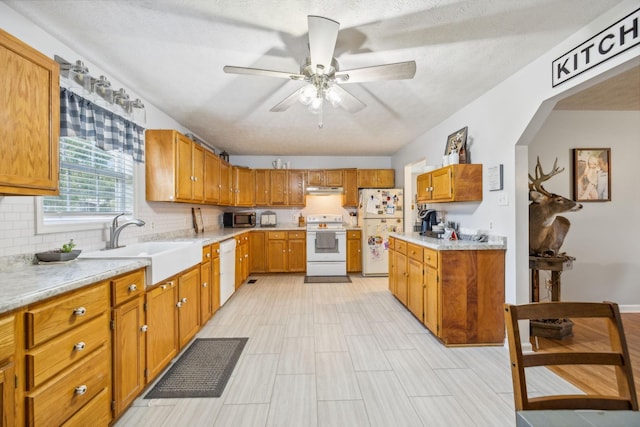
[380,212]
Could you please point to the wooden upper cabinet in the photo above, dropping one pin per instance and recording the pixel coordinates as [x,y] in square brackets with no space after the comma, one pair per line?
[244,186]
[211,177]
[278,187]
[297,188]
[226,189]
[30,120]
[174,167]
[350,186]
[324,177]
[453,183]
[376,178]
[262,186]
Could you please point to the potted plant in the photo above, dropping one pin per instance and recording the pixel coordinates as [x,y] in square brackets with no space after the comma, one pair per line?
[64,253]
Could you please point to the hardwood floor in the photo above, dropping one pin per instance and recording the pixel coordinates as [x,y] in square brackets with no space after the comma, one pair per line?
[343,355]
[589,335]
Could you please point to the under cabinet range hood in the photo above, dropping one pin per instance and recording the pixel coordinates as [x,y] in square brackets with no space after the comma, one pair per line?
[324,191]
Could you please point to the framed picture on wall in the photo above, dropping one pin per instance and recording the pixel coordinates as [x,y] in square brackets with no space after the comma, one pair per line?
[592,174]
[456,141]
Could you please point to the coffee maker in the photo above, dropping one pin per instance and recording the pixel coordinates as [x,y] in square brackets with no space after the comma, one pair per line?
[429,219]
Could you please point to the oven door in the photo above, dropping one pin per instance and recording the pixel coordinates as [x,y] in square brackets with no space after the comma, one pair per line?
[326,245]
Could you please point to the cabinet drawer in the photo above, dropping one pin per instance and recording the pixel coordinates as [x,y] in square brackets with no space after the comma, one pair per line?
[430,257]
[297,235]
[215,250]
[400,246]
[277,235]
[54,403]
[95,413]
[44,321]
[7,340]
[54,356]
[414,251]
[206,253]
[126,287]
[353,234]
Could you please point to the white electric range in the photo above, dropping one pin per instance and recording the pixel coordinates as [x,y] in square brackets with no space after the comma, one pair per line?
[326,245]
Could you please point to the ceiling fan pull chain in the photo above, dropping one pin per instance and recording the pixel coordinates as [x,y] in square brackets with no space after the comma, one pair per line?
[320,124]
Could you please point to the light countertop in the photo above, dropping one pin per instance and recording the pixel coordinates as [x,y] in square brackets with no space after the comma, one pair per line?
[450,245]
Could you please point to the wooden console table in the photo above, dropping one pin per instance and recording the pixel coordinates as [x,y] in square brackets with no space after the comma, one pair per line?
[554,264]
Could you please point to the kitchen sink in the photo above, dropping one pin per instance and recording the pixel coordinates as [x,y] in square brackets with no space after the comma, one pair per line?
[166,258]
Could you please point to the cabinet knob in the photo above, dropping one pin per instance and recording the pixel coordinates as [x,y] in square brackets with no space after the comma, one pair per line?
[184,300]
[204,285]
[80,311]
[79,346]
[178,304]
[163,286]
[144,328]
[208,255]
[80,390]
[133,287]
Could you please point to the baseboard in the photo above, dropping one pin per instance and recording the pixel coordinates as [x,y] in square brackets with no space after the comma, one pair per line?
[629,308]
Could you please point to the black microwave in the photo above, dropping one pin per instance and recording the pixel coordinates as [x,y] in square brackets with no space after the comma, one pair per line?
[239,219]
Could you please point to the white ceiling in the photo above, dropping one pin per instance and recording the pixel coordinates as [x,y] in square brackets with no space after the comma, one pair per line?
[171,54]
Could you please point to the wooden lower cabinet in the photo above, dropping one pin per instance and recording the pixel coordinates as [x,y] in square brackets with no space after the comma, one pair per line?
[354,251]
[277,251]
[457,294]
[297,251]
[7,370]
[162,321]
[188,305]
[206,286]
[258,251]
[215,277]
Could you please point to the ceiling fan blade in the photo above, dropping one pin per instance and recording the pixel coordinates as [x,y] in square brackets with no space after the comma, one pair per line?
[349,102]
[323,33]
[397,71]
[287,102]
[260,72]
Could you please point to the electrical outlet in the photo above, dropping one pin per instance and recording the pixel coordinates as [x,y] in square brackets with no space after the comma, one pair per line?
[490,225]
[503,199]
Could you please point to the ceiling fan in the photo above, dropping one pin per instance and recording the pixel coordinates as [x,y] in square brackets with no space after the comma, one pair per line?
[323,76]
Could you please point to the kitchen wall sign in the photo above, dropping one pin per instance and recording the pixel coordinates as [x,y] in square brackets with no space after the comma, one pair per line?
[610,42]
[592,174]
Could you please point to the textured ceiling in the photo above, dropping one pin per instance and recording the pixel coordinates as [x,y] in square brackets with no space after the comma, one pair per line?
[171,54]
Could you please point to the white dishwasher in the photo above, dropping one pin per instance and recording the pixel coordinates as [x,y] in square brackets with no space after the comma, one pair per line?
[227,269]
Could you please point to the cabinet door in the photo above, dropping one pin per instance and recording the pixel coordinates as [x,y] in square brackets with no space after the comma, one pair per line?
[431,300]
[350,186]
[392,267]
[197,172]
[333,178]
[297,187]
[244,186]
[188,312]
[7,395]
[215,277]
[415,288]
[206,295]
[162,321]
[262,186]
[315,177]
[278,187]
[184,173]
[277,255]
[297,255]
[30,100]
[400,275]
[225,183]
[386,178]
[128,353]
[211,177]
[257,249]
[354,251]
[367,178]
[424,187]
[441,181]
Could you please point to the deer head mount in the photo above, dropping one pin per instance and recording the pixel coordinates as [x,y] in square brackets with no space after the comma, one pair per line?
[547,229]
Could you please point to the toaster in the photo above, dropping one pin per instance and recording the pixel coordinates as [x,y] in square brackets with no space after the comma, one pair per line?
[268,219]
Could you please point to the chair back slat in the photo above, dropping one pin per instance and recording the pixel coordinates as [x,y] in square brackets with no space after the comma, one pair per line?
[617,356]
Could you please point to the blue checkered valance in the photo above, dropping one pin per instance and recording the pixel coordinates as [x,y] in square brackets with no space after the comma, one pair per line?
[81,118]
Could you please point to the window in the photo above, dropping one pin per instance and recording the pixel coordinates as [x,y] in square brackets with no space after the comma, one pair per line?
[95,185]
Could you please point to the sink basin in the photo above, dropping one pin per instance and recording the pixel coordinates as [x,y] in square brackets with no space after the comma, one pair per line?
[166,258]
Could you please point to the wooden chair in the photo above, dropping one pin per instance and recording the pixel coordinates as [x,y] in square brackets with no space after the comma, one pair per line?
[618,357]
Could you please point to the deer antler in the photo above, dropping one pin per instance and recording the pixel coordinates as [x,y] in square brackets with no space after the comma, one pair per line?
[536,184]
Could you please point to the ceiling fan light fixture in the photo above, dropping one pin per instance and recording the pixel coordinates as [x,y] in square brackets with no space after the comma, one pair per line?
[316,105]
[334,96]
[307,94]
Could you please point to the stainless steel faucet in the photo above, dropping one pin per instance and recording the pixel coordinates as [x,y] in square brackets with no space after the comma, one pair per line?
[115,230]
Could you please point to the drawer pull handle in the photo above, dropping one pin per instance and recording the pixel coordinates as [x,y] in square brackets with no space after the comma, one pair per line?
[81,389]
[79,346]
[144,328]
[80,311]
[133,287]
[163,286]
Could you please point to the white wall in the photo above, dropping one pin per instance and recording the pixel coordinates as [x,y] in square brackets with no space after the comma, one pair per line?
[604,236]
[17,214]
[502,123]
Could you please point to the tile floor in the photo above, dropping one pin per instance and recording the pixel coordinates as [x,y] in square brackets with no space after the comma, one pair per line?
[343,355]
